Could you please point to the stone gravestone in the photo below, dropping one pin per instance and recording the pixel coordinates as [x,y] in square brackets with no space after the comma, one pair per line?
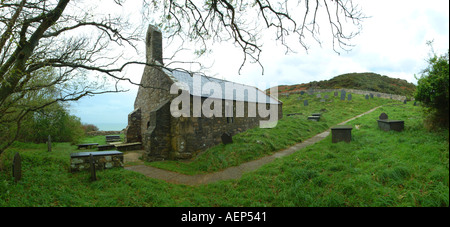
[17,167]
[227,138]
[318,96]
[367,96]
[49,144]
[322,100]
[378,95]
[415,103]
[349,97]
[343,94]
[302,93]
[336,94]
[383,116]
[92,166]
[305,103]
[404,102]
[326,97]
[371,95]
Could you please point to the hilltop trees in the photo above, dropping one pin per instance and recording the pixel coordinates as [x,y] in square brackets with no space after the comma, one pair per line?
[62,46]
[433,90]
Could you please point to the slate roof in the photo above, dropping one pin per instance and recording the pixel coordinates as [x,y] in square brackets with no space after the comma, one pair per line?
[227,88]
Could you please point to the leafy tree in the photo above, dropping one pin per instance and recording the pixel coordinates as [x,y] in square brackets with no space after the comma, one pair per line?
[433,90]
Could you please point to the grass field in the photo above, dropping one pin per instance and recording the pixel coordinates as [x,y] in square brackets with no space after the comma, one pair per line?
[409,168]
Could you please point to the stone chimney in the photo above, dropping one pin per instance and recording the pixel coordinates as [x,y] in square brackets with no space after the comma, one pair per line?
[154,45]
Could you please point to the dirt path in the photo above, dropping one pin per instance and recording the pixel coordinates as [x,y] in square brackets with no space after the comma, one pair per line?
[235,172]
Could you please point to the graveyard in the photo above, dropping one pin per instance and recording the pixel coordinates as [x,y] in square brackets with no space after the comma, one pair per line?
[375,168]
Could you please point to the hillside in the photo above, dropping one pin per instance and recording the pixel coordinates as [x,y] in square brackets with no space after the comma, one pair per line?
[361,81]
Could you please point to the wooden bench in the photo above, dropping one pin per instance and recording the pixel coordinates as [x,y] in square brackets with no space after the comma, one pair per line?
[112,138]
[87,145]
[103,160]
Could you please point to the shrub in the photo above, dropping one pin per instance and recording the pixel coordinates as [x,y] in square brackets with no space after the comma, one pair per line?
[433,91]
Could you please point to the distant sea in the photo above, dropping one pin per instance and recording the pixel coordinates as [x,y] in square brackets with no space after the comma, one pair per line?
[111,126]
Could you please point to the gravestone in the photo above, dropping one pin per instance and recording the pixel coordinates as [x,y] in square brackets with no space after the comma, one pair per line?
[302,93]
[49,144]
[17,167]
[341,133]
[326,97]
[227,138]
[349,97]
[415,103]
[367,96]
[404,102]
[299,98]
[318,96]
[92,164]
[322,100]
[343,94]
[336,94]
[383,116]
[305,103]
[371,95]
[378,95]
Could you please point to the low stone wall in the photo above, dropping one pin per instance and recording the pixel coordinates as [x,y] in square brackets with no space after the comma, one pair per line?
[355,91]
[103,160]
[104,133]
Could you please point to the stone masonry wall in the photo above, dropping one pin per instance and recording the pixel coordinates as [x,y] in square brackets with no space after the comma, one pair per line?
[156,139]
[133,130]
[191,135]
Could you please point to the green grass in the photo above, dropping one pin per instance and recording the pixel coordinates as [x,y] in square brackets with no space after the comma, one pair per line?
[409,168]
[258,142]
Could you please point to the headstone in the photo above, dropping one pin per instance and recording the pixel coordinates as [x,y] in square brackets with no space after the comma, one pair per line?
[367,96]
[92,164]
[415,103]
[311,91]
[49,144]
[404,102]
[302,92]
[299,98]
[305,103]
[17,167]
[378,95]
[383,116]
[227,138]
[326,97]
[318,96]
[336,94]
[343,94]
[371,95]
[322,100]
[349,97]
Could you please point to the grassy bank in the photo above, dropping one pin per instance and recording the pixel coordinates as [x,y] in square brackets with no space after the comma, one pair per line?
[260,142]
[409,168]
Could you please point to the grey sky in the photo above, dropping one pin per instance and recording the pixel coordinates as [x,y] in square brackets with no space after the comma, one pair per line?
[392,43]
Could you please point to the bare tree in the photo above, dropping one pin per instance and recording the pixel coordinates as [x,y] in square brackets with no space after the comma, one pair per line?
[50,49]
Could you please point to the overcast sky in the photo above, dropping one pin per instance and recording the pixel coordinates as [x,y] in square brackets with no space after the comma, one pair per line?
[392,43]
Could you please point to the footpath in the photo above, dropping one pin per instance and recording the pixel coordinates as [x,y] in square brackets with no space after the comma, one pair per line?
[234,172]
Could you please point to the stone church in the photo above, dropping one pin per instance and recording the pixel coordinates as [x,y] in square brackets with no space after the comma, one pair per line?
[168,137]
